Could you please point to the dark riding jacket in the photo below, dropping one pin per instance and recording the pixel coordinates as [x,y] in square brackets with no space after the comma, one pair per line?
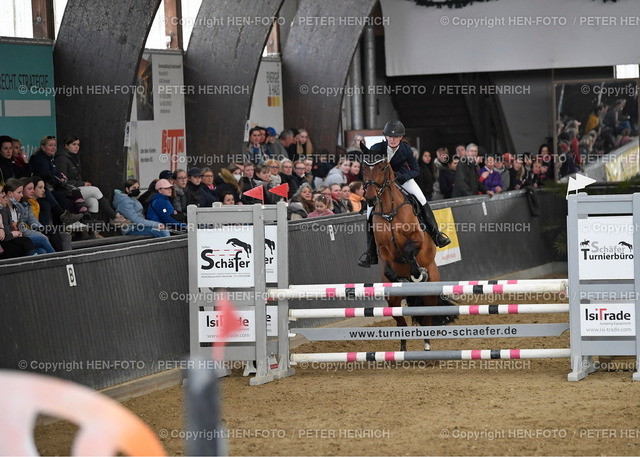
[404,164]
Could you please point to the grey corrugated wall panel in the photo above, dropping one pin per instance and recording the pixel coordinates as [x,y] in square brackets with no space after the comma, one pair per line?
[114,314]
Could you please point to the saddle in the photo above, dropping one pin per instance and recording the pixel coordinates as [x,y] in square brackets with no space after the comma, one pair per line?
[415,204]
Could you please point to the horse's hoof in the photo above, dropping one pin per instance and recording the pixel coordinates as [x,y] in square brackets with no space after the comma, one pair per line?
[424,276]
[427,347]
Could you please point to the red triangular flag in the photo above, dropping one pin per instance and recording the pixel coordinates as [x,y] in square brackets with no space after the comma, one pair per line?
[229,323]
[282,190]
[256,193]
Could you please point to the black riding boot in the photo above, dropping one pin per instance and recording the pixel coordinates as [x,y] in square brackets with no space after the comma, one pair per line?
[370,257]
[440,239]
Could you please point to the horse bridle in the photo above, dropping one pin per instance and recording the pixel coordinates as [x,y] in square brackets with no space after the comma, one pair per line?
[381,187]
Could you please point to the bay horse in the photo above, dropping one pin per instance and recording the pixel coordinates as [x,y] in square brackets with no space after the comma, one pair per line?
[406,251]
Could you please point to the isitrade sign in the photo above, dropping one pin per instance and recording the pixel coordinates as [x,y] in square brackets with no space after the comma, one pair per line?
[606,248]
[210,325]
[608,319]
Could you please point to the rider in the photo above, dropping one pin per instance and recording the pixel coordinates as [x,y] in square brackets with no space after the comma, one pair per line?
[405,167]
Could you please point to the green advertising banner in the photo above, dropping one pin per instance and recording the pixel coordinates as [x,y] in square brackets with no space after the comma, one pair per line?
[27,92]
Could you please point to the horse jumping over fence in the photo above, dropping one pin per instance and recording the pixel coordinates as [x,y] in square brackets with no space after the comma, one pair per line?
[406,251]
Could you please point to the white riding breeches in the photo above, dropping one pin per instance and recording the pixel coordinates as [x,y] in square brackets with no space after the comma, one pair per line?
[411,187]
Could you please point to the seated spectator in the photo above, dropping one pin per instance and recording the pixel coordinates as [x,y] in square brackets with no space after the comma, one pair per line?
[426,177]
[196,192]
[534,177]
[208,179]
[546,160]
[7,167]
[356,197]
[278,148]
[299,176]
[43,164]
[33,195]
[22,218]
[308,171]
[439,164]
[355,172]
[12,243]
[67,161]
[160,208]
[247,182]
[21,166]
[286,175]
[321,207]
[568,166]
[447,177]
[500,167]
[345,192]
[228,198]
[145,198]
[338,174]
[274,179]
[304,148]
[490,177]
[127,205]
[255,151]
[179,181]
[516,174]
[301,203]
[226,182]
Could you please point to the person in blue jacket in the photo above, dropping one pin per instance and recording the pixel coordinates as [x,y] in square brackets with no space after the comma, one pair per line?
[160,208]
[128,205]
[405,167]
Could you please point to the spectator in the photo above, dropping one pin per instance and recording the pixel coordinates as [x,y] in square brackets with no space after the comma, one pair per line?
[466,182]
[491,179]
[338,174]
[356,143]
[336,196]
[228,198]
[345,200]
[308,171]
[595,119]
[248,182]
[304,148]
[439,164]
[616,120]
[43,164]
[67,161]
[568,166]
[299,177]
[209,182]
[12,243]
[447,177]
[7,167]
[21,166]
[146,196]
[286,176]
[356,196]
[22,218]
[33,195]
[546,159]
[226,182]
[301,203]
[355,172]
[196,192]
[516,174]
[534,178]
[426,177]
[179,201]
[321,207]
[278,149]
[160,208]
[127,205]
[254,150]
[268,180]
[500,167]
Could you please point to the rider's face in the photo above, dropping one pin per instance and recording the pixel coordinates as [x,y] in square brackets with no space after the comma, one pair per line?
[393,141]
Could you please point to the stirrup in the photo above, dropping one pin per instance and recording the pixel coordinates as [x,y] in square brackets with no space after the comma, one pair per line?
[367,259]
[441,240]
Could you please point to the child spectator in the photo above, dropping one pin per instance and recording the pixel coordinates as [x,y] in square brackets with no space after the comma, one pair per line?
[322,207]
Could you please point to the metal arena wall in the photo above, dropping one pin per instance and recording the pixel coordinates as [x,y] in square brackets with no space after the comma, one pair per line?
[126,316]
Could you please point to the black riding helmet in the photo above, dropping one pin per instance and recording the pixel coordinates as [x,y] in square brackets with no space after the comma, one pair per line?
[394,128]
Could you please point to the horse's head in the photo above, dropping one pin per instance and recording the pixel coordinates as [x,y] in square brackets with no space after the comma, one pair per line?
[377,176]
